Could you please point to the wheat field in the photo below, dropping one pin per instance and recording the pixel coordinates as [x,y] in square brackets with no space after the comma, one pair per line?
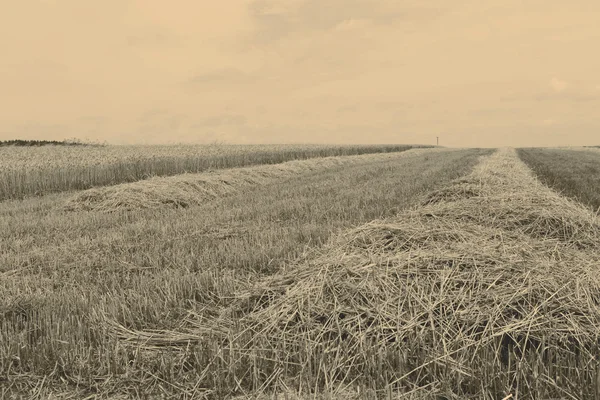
[33,171]
[415,274]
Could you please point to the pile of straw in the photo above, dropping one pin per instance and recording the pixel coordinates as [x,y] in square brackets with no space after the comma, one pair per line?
[490,288]
[186,190]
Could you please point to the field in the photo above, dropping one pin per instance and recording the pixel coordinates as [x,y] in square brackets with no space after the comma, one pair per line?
[33,171]
[418,274]
[575,173]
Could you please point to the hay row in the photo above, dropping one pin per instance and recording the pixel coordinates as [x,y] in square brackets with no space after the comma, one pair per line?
[192,189]
[490,288]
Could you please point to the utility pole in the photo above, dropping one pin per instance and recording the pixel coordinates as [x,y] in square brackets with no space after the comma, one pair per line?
[437,139]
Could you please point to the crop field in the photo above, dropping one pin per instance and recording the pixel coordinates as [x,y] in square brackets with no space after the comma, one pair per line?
[32,171]
[303,273]
[574,173]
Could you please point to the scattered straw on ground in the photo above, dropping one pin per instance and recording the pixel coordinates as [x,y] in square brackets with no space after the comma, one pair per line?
[490,288]
[192,189]
[495,259]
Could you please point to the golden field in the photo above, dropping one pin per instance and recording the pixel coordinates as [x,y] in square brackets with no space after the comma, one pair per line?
[34,171]
[420,274]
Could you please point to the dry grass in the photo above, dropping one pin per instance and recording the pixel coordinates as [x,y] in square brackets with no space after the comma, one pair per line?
[34,171]
[193,189]
[493,294]
[573,172]
[79,289]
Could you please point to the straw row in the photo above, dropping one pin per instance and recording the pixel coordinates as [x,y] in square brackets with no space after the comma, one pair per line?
[490,288]
[494,279]
[193,189]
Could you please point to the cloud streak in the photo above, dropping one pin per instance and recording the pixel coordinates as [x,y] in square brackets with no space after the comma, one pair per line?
[276,21]
[301,70]
[221,77]
[558,85]
[221,120]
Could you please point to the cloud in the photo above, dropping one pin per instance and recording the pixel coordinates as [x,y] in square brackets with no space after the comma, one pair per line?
[558,91]
[223,76]
[153,114]
[261,109]
[221,120]
[154,123]
[569,96]
[276,21]
[347,109]
[153,39]
[302,44]
[36,76]
[582,98]
[352,24]
[393,105]
[497,111]
[558,85]
[94,119]
[35,131]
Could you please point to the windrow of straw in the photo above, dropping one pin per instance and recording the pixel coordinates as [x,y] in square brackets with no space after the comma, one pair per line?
[490,289]
[192,189]
[38,170]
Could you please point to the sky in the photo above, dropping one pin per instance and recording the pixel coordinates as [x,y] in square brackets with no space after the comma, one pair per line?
[475,73]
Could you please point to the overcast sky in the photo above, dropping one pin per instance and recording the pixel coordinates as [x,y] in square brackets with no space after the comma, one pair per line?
[473,72]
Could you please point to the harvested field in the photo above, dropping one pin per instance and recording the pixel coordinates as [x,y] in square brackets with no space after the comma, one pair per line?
[193,189]
[572,172]
[34,171]
[487,287]
[486,296]
[70,280]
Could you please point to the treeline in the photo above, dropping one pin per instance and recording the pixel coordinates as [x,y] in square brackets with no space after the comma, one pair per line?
[65,142]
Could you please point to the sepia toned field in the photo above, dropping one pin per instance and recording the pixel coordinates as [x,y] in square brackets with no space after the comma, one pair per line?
[574,172]
[33,171]
[417,274]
